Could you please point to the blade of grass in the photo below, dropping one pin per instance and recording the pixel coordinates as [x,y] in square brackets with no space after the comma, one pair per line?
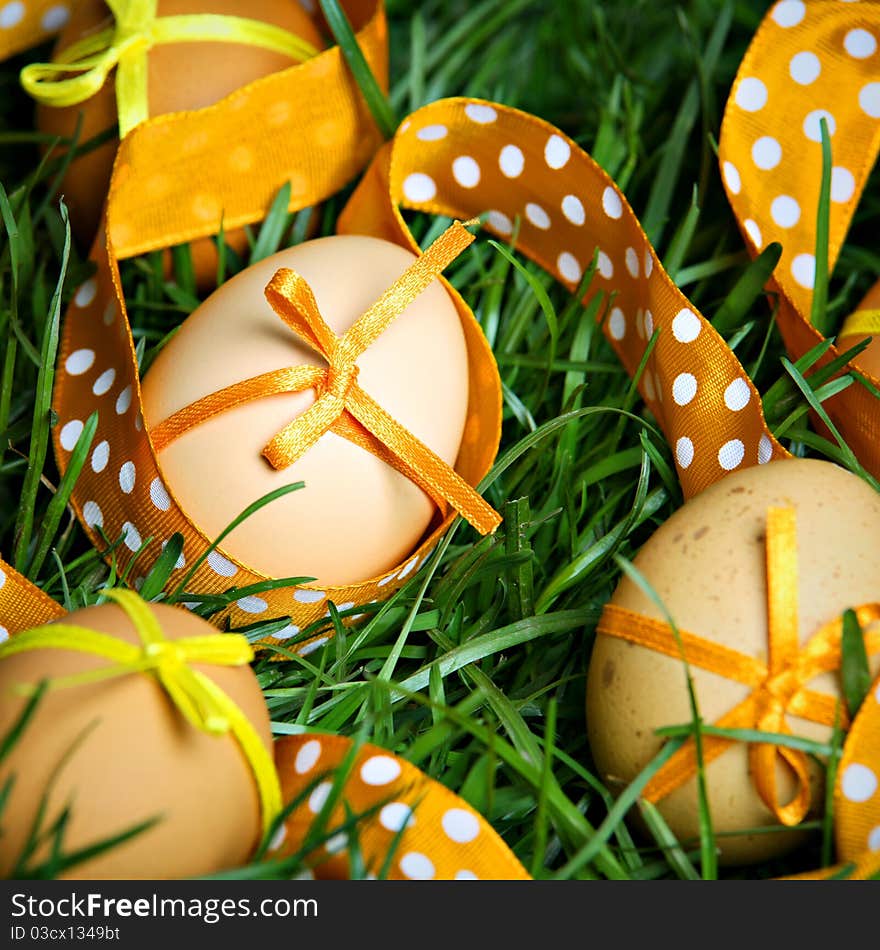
[855,672]
[42,414]
[376,100]
[819,305]
[58,503]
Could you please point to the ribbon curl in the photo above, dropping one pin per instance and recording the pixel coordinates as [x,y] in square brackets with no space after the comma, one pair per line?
[196,696]
[779,687]
[342,406]
[125,46]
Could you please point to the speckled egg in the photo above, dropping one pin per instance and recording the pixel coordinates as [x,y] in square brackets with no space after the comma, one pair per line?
[707,564]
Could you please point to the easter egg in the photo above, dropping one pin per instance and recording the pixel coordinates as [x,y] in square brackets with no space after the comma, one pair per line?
[708,566]
[118,752]
[181,77]
[357,517]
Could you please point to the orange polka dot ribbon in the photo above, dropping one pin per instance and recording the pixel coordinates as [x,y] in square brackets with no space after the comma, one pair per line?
[22,604]
[808,61]
[857,793]
[467,157]
[778,687]
[459,157]
[25,23]
[81,70]
[406,826]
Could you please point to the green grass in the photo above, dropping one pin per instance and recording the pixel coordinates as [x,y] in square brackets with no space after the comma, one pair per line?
[475,671]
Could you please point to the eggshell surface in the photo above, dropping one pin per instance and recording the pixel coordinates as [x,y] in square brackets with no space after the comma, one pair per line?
[356,517]
[181,77]
[123,754]
[707,564]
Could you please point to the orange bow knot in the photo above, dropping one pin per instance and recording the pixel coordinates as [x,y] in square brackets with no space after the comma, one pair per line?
[342,405]
[777,693]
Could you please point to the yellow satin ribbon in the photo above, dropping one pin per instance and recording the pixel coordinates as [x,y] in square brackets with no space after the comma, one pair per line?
[126,45]
[861,322]
[342,406]
[196,696]
[778,687]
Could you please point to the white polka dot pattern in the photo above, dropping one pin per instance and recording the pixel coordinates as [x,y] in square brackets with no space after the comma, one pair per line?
[466,171]
[511,161]
[70,432]
[570,212]
[396,816]
[460,825]
[380,770]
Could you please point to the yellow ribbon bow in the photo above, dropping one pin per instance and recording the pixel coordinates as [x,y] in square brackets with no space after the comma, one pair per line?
[126,45]
[342,405]
[778,687]
[197,697]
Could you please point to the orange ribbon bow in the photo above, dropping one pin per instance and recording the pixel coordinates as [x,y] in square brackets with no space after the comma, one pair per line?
[342,406]
[779,687]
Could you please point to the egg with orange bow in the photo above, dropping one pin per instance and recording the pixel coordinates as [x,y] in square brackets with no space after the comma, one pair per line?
[181,76]
[755,572]
[287,365]
[108,746]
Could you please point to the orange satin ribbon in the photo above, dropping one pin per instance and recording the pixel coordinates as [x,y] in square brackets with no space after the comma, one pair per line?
[778,688]
[342,405]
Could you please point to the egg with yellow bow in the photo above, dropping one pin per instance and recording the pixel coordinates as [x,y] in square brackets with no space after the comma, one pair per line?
[357,357]
[151,718]
[755,573]
[181,76]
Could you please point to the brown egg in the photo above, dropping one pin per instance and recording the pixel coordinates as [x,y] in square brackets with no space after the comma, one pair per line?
[182,76]
[707,564]
[124,754]
[868,361]
[357,517]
